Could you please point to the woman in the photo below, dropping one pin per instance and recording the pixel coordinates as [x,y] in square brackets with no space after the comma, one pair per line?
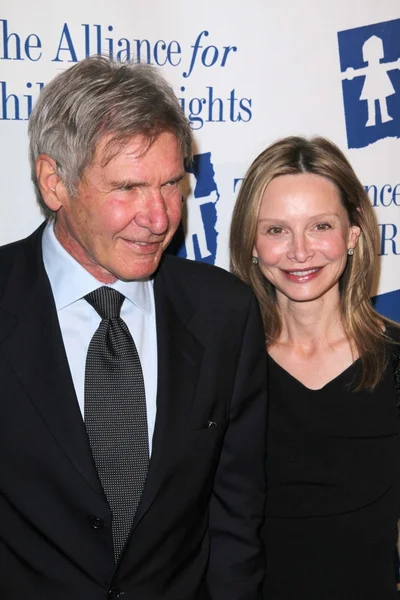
[304,237]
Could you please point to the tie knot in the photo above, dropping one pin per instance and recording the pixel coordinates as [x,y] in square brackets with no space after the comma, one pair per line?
[106,301]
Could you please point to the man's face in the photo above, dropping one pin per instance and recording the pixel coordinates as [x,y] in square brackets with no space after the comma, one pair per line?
[125,211]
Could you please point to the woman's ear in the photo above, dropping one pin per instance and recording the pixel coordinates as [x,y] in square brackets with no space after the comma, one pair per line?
[353,236]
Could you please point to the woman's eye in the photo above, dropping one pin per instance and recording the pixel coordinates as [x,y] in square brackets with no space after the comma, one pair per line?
[275,230]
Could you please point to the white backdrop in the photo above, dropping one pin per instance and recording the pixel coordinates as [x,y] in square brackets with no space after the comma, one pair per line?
[246,73]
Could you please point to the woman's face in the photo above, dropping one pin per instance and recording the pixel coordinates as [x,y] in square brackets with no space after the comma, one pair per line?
[303,234]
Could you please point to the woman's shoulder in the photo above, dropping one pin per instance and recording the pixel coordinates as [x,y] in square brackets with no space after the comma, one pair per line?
[392,333]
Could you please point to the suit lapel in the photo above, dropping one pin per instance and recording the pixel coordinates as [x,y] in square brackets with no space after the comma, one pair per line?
[31,342]
[179,361]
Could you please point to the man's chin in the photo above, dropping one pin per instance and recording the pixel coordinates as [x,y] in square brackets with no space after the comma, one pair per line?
[140,272]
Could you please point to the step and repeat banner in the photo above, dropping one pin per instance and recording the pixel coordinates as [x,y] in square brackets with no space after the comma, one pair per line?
[245,74]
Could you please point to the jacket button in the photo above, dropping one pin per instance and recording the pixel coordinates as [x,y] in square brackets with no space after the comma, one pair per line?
[114,593]
[96,523]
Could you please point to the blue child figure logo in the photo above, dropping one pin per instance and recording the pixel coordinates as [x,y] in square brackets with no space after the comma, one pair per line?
[377,85]
[370,65]
[197,235]
[205,196]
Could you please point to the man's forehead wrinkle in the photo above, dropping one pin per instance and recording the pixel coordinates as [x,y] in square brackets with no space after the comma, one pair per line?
[107,150]
[110,145]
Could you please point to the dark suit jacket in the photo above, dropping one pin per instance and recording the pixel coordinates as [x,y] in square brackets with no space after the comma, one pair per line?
[195,534]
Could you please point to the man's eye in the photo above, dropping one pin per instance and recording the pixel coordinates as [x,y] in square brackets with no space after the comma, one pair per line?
[323,226]
[170,188]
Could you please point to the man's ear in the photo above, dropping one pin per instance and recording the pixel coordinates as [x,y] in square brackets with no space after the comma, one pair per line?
[50,184]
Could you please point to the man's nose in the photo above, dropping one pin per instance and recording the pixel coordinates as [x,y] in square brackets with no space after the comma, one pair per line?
[153,214]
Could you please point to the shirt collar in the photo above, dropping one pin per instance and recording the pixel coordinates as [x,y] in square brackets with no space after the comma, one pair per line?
[70,281]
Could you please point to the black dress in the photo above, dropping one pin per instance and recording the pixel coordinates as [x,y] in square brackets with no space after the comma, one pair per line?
[334,489]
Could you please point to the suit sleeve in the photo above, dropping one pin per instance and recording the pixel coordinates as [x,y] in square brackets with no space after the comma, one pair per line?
[236,564]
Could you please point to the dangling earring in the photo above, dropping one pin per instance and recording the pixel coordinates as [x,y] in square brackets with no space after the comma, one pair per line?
[350,251]
[254,260]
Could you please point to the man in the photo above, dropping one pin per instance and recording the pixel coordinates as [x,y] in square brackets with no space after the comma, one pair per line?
[132,384]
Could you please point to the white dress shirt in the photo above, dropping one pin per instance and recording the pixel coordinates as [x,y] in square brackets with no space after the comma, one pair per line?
[70,282]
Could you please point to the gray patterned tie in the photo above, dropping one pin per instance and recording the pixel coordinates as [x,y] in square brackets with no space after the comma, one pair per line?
[115,413]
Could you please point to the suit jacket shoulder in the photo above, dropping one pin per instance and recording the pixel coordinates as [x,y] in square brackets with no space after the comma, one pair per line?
[23,254]
[201,284]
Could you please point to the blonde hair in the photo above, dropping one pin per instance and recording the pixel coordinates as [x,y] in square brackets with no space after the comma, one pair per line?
[363,326]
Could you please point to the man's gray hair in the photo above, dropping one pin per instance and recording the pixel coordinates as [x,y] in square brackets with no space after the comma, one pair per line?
[100,97]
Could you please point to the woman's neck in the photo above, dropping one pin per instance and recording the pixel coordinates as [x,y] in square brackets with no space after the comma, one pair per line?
[313,325]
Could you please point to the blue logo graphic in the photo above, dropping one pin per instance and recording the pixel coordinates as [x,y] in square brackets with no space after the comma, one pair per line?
[196,239]
[370,66]
[388,305]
